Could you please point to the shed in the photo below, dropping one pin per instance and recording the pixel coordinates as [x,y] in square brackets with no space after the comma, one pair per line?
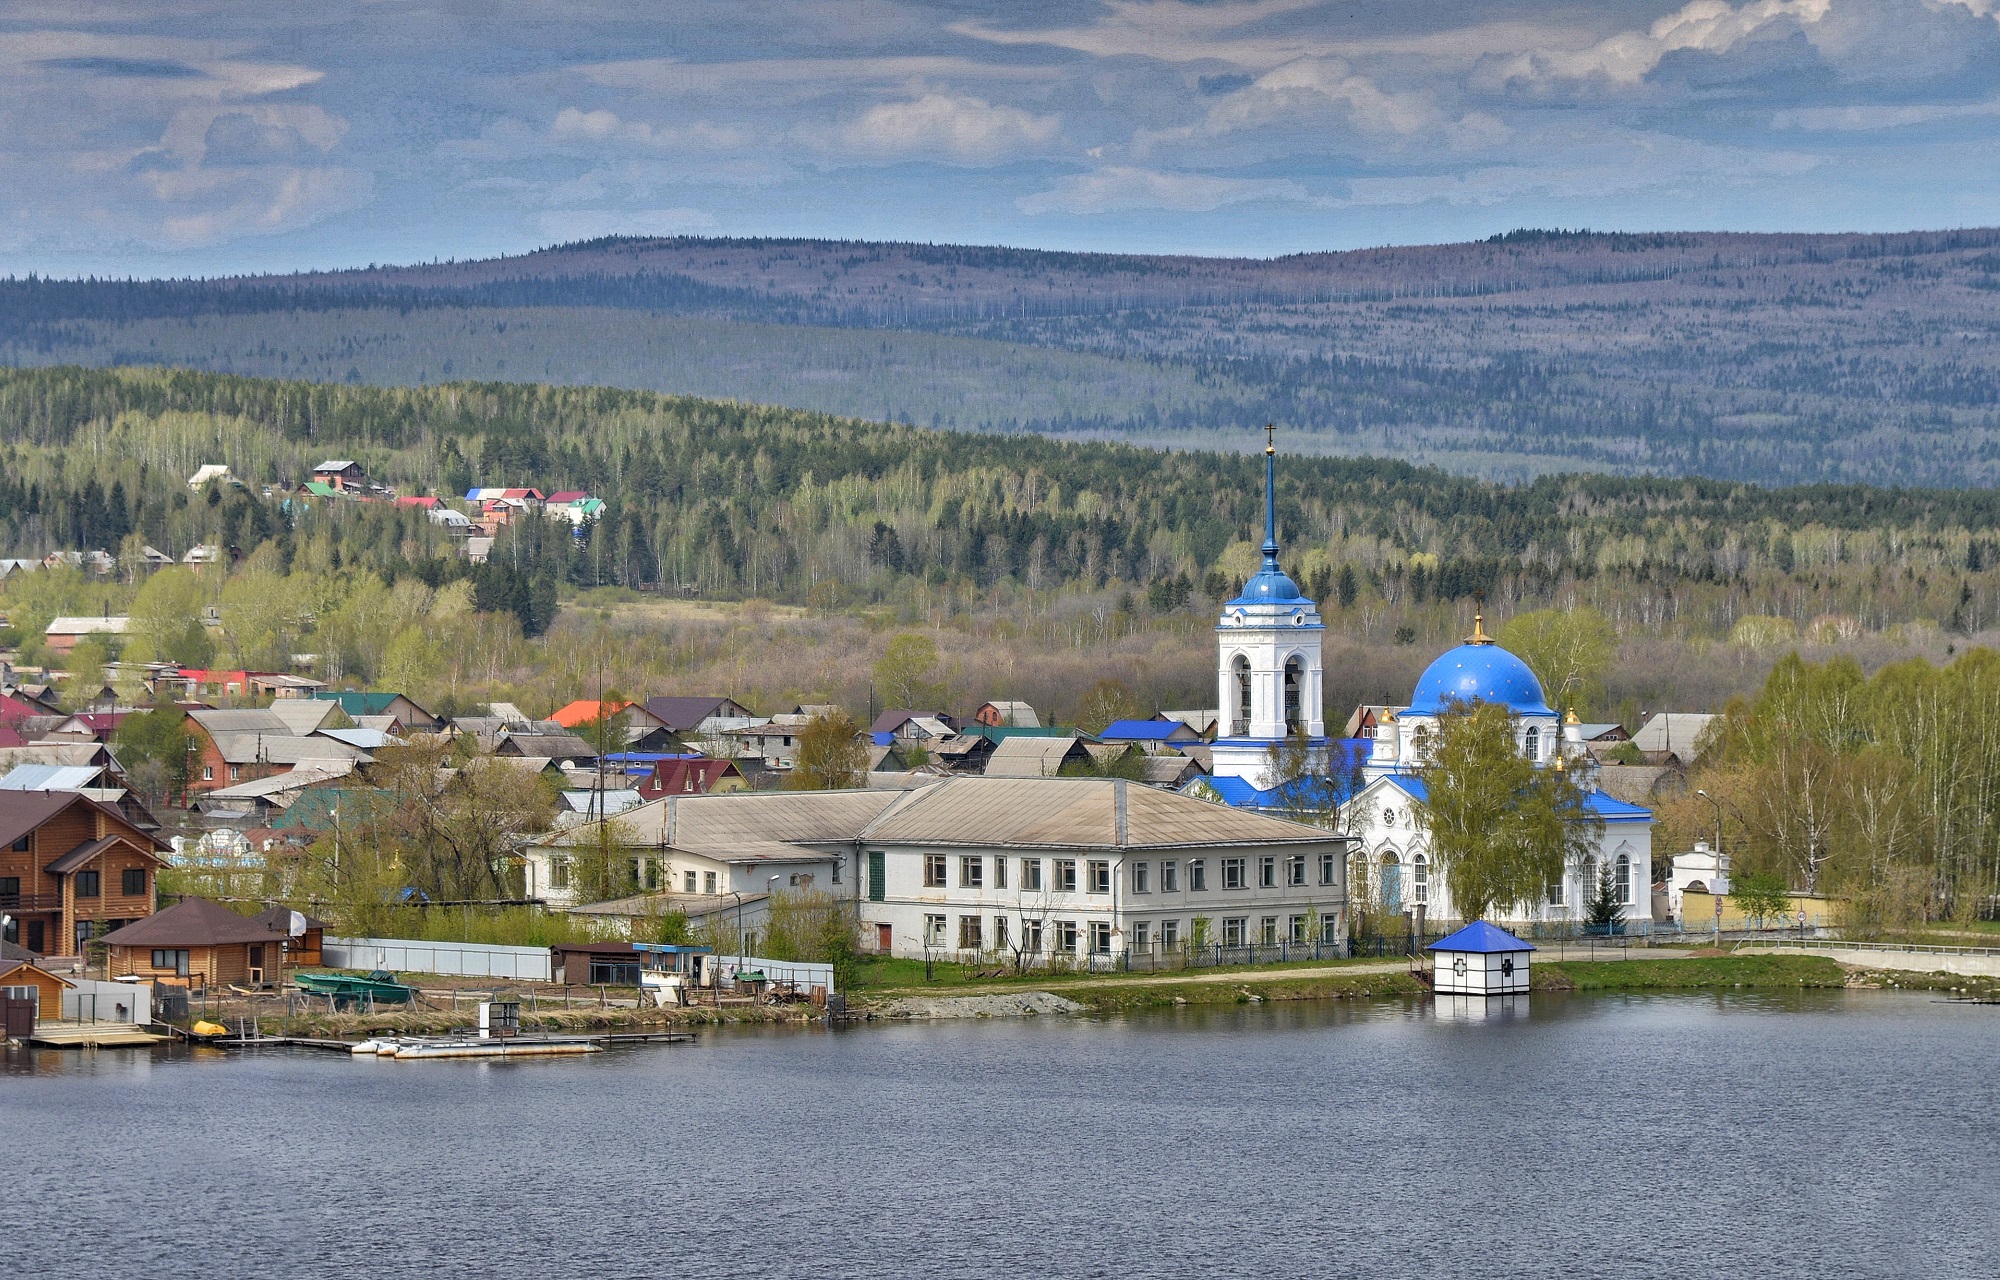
[1480,960]
[197,942]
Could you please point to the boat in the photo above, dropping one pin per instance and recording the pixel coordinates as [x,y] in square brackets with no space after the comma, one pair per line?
[469,1046]
[380,986]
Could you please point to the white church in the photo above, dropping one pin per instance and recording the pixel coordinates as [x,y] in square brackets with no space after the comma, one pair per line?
[1269,673]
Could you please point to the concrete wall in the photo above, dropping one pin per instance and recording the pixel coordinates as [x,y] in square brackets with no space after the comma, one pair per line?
[94,1001]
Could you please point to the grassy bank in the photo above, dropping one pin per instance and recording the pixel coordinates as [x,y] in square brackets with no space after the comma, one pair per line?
[1692,974]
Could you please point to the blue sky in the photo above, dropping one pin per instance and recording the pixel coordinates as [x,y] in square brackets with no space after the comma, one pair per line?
[195,138]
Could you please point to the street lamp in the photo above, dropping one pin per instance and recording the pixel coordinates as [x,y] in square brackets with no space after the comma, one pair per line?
[1718,826]
[770,889]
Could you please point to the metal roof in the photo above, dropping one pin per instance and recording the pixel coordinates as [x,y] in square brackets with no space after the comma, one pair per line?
[1026,756]
[1481,938]
[51,777]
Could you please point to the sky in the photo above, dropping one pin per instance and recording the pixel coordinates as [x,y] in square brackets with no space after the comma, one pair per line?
[185,138]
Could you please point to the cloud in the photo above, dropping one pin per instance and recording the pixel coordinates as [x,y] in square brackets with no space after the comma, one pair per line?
[1118,188]
[969,131]
[1172,31]
[573,124]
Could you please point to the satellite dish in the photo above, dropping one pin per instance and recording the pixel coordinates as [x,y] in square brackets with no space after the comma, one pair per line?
[298,925]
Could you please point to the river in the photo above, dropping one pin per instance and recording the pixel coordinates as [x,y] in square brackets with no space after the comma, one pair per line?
[1797,1134]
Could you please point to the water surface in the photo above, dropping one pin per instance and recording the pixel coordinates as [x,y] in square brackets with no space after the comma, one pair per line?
[1808,1134]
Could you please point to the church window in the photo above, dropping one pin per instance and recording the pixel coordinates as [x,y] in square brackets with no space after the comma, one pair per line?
[1622,871]
[1534,743]
[1392,883]
[1239,720]
[1420,879]
[1295,676]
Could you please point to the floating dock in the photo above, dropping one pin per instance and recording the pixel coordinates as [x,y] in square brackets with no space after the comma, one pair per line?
[93,1035]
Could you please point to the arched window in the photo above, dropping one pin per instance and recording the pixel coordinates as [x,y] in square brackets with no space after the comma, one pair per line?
[1392,883]
[1420,879]
[1295,678]
[1534,742]
[1621,870]
[1239,722]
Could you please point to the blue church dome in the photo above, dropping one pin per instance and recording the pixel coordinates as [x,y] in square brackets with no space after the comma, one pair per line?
[1481,672]
[1270,585]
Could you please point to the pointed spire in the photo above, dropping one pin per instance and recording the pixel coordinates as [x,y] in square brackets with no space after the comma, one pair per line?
[1270,496]
[1479,635]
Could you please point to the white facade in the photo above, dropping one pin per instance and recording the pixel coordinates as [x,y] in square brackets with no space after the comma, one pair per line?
[1701,866]
[1083,905]
[1269,677]
[1477,973]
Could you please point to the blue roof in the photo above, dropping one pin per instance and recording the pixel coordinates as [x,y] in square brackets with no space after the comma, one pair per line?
[1140,730]
[1479,673]
[1482,938]
[883,739]
[1609,808]
[1240,793]
[1270,585]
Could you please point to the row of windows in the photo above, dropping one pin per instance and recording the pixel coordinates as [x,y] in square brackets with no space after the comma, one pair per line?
[89,884]
[1236,873]
[649,873]
[976,933]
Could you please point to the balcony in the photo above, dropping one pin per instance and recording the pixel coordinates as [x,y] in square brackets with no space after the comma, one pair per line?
[31,901]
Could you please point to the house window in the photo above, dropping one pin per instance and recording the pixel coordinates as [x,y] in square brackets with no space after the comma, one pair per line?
[999,873]
[971,936]
[1232,873]
[1066,877]
[1000,926]
[708,882]
[89,884]
[971,873]
[1295,870]
[208,773]
[1142,935]
[1232,931]
[1267,872]
[21,843]
[1327,865]
[1100,876]
[1031,874]
[559,874]
[173,961]
[1267,931]
[1170,934]
[235,772]
[1170,877]
[1142,877]
[1420,879]
[1329,929]
[10,890]
[1298,933]
[1100,937]
[1197,875]
[933,931]
[934,867]
[1031,937]
[689,881]
[1066,936]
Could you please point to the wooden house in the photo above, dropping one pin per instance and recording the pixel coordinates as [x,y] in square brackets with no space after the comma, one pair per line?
[71,868]
[27,982]
[197,942]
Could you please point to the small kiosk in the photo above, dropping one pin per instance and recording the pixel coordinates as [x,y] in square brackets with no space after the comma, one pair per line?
[1480,960]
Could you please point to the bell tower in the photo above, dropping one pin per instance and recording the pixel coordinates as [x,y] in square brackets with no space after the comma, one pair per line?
[1268,675]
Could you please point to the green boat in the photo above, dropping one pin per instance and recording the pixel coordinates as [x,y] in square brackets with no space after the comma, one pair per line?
[380,986]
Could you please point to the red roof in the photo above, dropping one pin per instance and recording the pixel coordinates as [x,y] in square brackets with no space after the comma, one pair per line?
[584,711]
[567,495]
[426,503]
[687,777]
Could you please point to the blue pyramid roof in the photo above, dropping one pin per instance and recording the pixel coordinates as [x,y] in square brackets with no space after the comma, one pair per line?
[1481,938]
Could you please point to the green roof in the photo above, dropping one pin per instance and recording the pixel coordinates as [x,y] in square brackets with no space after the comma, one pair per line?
[319,490]
[360,703]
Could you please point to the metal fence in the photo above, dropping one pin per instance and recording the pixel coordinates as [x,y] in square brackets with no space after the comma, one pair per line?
[802,974]
[465,959]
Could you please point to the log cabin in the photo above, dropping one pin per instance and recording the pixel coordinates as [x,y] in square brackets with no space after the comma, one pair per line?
[71,869]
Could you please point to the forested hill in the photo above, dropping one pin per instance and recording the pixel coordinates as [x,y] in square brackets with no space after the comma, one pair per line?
[1772,358]
[742,500]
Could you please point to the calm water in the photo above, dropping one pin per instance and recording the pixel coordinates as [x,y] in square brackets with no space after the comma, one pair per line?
[1819,1134]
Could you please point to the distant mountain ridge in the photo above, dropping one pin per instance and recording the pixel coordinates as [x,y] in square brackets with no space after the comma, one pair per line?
[1774,358]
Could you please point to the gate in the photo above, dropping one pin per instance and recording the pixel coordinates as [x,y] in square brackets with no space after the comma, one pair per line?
[19,1016]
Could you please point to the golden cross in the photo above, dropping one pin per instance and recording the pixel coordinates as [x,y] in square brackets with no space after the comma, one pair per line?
[1270,438]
